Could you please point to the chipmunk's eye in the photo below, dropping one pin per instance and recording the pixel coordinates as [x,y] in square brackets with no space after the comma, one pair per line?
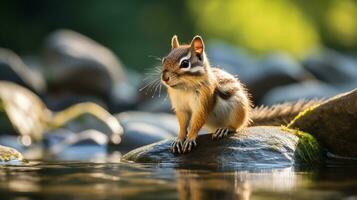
[185,63]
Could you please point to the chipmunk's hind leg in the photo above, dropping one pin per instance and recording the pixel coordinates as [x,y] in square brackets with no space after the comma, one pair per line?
[222,132]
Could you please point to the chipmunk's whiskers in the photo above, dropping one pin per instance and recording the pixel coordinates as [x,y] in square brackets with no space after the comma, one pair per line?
[152,81]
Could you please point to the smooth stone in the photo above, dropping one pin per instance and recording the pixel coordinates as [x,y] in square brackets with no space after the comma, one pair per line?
[125,95]
[333,123]
[60,101]
[67,145]
[255,147]
[141,128]
[232,59]
[78,63]
[332,67]
[140,134]
[13,68]
[10,155]
[165,121]
[156,104]
[260,76]
[295,92]
[276,70]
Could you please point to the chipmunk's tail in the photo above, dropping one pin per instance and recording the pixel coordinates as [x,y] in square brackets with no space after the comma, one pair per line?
[280,114]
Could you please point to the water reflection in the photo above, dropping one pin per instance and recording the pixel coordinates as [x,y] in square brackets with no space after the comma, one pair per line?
[135,181]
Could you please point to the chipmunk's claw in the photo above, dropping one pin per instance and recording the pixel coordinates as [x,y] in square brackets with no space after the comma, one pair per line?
[177,145]
[188,145]
[221,132]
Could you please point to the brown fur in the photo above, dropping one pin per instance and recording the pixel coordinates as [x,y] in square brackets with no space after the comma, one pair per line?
[201,95]
[280,114]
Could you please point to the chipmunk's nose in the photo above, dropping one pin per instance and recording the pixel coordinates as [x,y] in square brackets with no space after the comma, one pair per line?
[164,76]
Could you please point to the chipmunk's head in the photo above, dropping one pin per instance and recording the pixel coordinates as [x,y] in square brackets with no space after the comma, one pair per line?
[186,66]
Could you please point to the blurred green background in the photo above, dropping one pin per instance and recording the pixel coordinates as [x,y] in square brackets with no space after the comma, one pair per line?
[137,30]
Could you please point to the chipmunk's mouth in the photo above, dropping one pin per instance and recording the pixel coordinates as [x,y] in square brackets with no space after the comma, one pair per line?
[174,85]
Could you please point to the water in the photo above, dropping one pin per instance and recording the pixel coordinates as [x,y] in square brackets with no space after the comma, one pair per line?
[90,180]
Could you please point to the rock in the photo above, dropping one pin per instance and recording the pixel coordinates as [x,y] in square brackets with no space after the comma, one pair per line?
[10,156]
[333,123]
[57,102]
[13,69]
[156,104]
[276,69]
[332,67]
[294,92]
[232,59]
[31,118]
[256,147]
[165,121]
[67,145]
[141,128]
[125,95]
[77,63]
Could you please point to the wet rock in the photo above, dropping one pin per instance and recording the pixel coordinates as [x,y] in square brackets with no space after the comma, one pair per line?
[77,63]
[10,156]
[12,68]
[141,128]
[332,67]
[256,147]
[333,123]
[294,92]
[67,145]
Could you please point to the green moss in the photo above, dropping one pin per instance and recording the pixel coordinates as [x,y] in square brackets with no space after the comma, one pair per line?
[303,113]
[308,150]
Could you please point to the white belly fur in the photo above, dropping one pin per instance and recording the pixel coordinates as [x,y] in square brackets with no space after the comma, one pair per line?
[219,117]
[184,100]
[221,114]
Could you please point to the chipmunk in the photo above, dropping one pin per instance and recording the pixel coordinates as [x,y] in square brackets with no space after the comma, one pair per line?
[202,95]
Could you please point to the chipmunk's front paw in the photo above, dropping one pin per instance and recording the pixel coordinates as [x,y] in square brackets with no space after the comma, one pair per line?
[177,145]
[221,133]
[188,145]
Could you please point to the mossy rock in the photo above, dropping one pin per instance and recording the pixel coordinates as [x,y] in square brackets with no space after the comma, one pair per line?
[255,147]
[333,123]
[10,156]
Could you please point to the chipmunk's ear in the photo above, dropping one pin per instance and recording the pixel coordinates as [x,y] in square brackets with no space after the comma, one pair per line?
[197,44]
[174,42]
